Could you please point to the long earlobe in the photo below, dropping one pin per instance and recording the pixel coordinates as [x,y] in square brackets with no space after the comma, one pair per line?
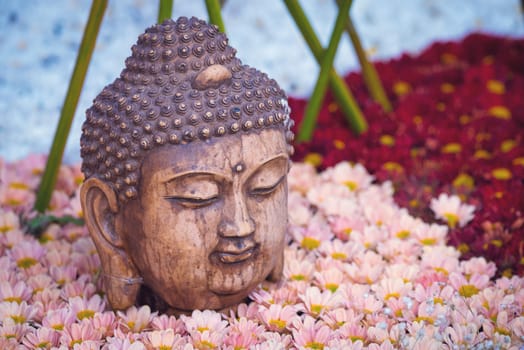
[121,280]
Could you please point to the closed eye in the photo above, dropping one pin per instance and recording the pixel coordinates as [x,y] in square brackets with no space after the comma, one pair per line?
[264,191]
[192,202]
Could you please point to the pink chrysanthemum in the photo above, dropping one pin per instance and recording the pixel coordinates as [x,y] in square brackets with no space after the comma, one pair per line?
[136,319]
[355,177]
[165,339]
[315,302]
[201,321]
[277,317]
[310,334]
[27,254]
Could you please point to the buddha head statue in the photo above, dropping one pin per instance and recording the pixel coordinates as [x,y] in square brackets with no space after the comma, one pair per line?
[185,157]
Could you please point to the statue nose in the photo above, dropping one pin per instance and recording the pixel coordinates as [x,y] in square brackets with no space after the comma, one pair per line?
[236,221]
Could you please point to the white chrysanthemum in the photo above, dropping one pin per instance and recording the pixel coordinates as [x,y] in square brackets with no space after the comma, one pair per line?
[451,210]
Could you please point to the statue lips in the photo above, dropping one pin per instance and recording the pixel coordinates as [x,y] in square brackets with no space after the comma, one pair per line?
[235,250]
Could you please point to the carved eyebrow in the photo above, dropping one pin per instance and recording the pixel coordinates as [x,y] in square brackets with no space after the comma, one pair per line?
[190,173]
[280,156]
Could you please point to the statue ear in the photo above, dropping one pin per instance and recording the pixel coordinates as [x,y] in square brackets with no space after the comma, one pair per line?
[121,279]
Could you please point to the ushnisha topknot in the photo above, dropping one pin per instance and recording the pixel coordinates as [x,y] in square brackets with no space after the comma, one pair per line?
[182,83]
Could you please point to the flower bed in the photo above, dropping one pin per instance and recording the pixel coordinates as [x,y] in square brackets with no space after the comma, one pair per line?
[389,282]
[457,128]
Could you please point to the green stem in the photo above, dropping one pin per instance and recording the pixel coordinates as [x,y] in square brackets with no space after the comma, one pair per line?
[215,16]
[165,9]
[307,126]
[341,93]
[56,153]
[368,70]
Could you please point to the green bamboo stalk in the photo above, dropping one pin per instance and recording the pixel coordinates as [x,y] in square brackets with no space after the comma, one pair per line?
[56,153]
[215,16]
[165,9]
[307,126]
[369,72]
[342,94]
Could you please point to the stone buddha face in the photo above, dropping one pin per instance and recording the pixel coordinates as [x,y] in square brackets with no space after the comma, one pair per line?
[210,220]
[188,208]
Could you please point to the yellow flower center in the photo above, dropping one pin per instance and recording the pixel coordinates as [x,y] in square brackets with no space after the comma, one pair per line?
[447,88]
[464,119]
[496,242]
[310,243]
[298,277]
[85,314]
[428,241]
[387,140]
[403,234]
[332,107]
[501,174]
[13,202]
[464,180]
[205,344]
[438,300]
[452,219]
[280,324]
[502,331]
[339,144]
[401,88]
[482,154]
[339,256]
[315,345]
[314,159]
[316,308]
[79,180]
[5,228]
[463,248]
[332,287]
[26,263]
[393,166]
[426,319]
[18,186]
[500,112]
[468,290]
[448,58]
[496,87]
[441,270]
[17,300]
[452,148]
[392,295]
[518,161]
[352,185]
[508,145]
[18,319]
